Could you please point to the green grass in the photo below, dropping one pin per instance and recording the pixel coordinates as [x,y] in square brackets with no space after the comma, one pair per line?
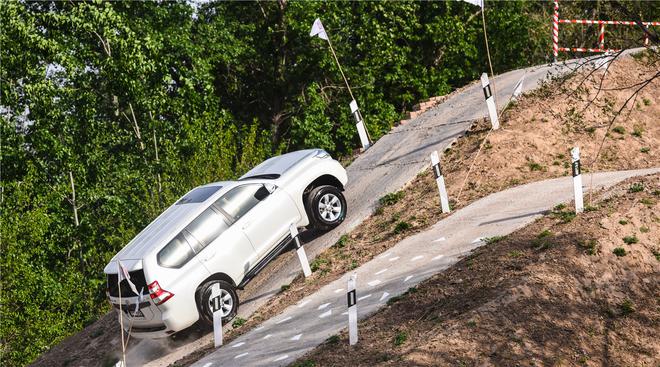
[645,149]
[472,323]
[238,322]
[623,222]
[533,166]
[629,240]
[619,251]
[545,233]
[494,239]
[515,254]
[401,227]
[400,338]
[590,208]
[285,287]
[333,339]
[619,130]
[637,132]
[318,263]
[591,247]
[305,363]
[391,198]
[647,102]
[627,307]
[647,201]
[636,187]
[342,241]
[656,253]
[644,229]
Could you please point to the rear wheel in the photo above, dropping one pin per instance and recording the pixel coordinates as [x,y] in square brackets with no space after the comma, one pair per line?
[226,300]
[326,207]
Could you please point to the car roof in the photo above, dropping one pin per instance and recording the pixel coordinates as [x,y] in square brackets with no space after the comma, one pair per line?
[170,223]
[277,166]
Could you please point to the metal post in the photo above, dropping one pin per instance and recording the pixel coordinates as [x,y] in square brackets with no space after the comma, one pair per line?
[601,35]
[440,181]
[216,299]
[351,298]
[362,130]
[300,250]
[490,102]
[577,180]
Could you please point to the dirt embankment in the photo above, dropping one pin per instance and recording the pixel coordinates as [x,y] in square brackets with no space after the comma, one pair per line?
[562,291]
[533,144]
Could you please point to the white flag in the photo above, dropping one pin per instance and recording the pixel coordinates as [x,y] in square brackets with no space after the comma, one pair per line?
[317,29]
[123,274]
[479,3]
[138,301]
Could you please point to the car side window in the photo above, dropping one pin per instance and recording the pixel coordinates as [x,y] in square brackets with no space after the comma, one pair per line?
[176,253]
[206,228]
[241,199]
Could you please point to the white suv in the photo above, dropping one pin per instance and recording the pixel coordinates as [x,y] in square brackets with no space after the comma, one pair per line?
[223,234]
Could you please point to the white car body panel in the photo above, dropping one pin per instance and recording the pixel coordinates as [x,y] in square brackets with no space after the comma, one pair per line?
[238,249]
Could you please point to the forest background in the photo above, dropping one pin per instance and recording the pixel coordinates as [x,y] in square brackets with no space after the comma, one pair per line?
[135,103]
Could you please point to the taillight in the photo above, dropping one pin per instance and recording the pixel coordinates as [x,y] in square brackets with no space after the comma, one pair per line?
[158,294]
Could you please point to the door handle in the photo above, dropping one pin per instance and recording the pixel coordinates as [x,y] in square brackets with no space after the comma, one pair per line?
[210,256]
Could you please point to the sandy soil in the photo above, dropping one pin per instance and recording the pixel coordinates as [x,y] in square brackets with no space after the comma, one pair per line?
[533,144]
[553,294]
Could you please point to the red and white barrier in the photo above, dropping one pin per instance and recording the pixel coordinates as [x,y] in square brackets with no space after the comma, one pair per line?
[555,31]
[601,32]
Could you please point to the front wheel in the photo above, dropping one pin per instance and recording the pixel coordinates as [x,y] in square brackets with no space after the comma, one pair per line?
[326,207]
[226,299]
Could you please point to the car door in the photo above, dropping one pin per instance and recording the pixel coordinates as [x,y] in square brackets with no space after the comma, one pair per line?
[264,215]
[219,245]
[268,223]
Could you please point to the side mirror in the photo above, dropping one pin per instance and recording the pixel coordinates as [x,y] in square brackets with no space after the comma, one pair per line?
[261,193]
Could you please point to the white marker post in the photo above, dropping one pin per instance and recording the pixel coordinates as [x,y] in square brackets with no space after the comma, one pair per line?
[517,90]
[577,180]
[300,250]
[216,299]
[490,102]
[362,131]
[351,298]
[440,180]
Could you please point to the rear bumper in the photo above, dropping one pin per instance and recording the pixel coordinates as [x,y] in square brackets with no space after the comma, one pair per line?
[168,318]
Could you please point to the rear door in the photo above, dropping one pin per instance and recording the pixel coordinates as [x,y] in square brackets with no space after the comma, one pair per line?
[219,245]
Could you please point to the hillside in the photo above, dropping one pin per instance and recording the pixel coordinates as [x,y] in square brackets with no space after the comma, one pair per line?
[527,124]
[505,160]
[563,291]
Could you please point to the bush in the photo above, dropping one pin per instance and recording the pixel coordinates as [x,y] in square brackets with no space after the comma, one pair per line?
[636,187]
[619,130]
[391,198]
[629,240]
[619,251]
[400,338]
[401,227]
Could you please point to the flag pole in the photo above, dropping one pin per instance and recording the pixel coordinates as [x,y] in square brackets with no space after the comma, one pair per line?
[121,316]
[345,80]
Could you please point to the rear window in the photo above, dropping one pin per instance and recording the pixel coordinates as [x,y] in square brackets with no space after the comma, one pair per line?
[176,253]
[206,228]
[198,195]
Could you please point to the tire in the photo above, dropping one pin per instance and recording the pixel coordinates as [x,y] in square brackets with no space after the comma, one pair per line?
[204,305]
[326,207]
